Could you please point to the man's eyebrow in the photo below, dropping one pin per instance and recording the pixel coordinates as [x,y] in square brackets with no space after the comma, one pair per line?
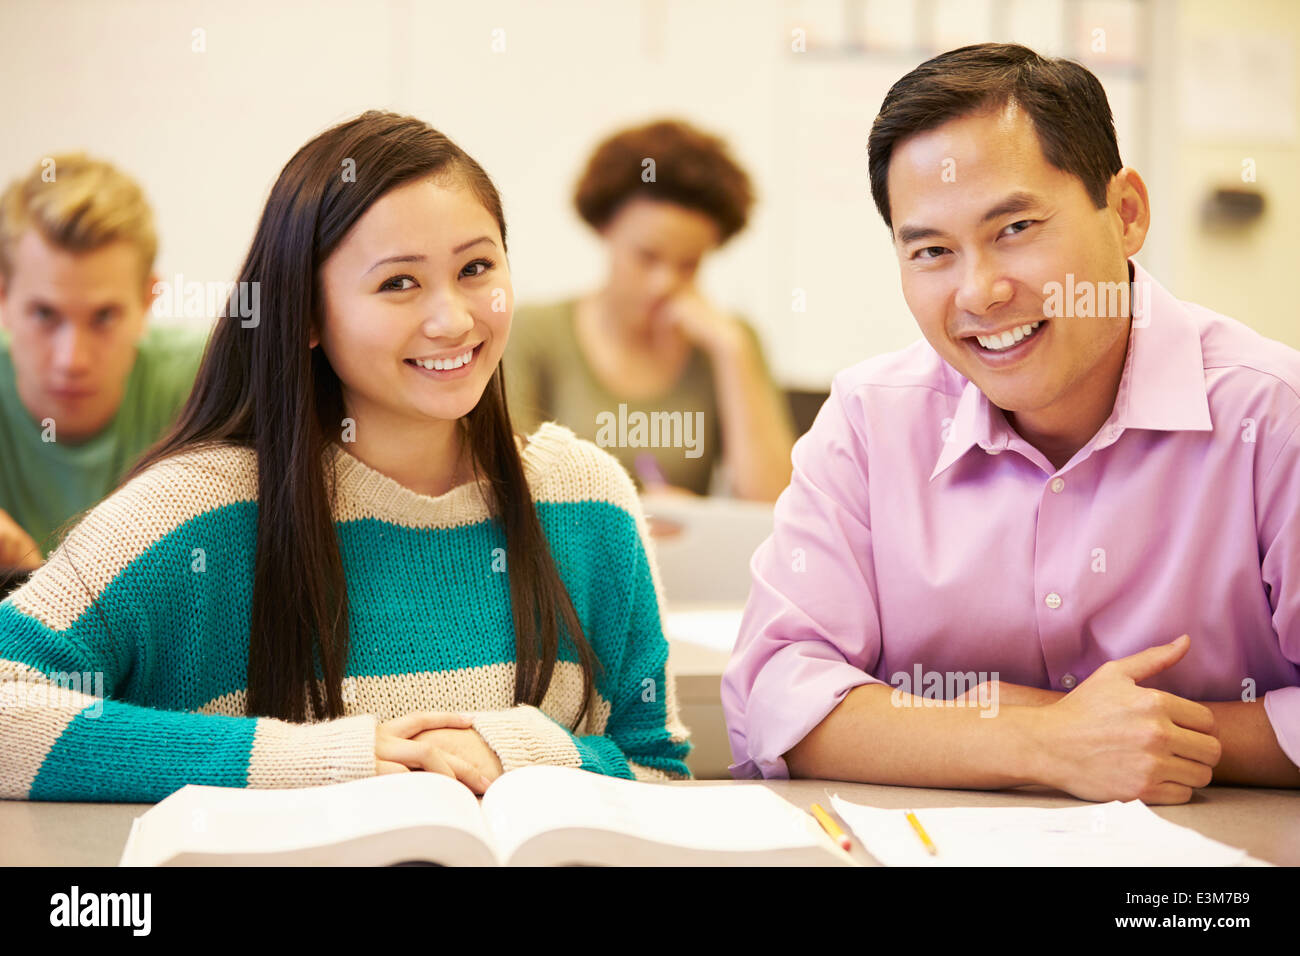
[1013,203]
[415,258]
[104,305]
[38,303]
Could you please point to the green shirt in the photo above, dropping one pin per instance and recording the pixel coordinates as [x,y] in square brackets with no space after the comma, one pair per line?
[44,483]
[548,379]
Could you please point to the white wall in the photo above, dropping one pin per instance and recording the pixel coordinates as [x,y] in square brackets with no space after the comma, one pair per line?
[207,133]
[1247,274]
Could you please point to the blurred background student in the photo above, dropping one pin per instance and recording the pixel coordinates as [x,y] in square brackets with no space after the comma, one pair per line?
[647,345]
[84,387]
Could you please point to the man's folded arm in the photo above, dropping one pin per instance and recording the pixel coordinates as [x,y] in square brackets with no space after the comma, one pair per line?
[799,692]
[810,632]
[1262,739]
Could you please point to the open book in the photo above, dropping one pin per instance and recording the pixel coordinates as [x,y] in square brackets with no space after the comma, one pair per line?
[534,816]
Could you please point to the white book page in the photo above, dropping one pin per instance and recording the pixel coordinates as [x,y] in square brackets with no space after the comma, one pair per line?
[1103,834]
[532,800]
[714,628]
[204,819]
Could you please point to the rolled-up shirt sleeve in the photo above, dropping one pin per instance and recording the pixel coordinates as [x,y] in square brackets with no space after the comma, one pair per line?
[1278,510]
[811,628]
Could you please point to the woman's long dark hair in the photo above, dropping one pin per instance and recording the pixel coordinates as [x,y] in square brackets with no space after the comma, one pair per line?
[263,387]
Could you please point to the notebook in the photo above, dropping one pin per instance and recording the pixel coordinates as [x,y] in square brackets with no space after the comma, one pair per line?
[534,816]
[1102,834]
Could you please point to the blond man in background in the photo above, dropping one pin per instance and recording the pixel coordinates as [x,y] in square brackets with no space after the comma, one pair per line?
[85,388]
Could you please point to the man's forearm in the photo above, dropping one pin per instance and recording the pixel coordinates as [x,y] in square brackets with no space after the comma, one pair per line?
[870,738]
[1251,753]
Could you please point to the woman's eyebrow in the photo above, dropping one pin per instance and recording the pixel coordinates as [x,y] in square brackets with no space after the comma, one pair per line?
[473,242]
[416,258]
[405,258]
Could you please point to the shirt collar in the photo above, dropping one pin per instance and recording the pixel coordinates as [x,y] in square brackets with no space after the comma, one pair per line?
[1162,387]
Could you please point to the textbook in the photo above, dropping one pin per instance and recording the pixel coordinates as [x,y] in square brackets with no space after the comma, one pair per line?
[533,816]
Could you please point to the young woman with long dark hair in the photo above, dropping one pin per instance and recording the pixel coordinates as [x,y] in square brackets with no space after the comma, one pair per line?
[342,560]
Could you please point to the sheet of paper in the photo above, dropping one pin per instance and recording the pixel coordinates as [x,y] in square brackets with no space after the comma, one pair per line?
[1103,834]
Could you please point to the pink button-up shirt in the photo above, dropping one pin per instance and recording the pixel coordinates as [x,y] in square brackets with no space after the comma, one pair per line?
[920,534]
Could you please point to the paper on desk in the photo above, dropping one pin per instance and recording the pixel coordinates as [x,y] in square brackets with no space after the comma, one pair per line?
[130,838]
[713,628]
[1102,834]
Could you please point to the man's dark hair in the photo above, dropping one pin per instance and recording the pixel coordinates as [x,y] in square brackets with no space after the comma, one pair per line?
[1065,102]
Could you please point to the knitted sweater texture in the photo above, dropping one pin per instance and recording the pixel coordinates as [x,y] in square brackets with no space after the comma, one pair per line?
[124,659]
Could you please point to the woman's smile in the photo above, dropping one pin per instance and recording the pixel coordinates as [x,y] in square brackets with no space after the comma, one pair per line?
[446,369]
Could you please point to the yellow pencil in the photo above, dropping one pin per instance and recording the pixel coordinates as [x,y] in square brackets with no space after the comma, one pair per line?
[829,825]
[920,831]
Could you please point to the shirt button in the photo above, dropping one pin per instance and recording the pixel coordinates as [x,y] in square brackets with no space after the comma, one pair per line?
[1068,681]
[1058,484]
[1053,600]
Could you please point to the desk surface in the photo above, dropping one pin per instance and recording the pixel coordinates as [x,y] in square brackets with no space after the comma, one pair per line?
[1265,823]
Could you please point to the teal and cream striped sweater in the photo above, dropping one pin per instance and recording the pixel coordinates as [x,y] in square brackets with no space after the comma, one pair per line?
[145,691]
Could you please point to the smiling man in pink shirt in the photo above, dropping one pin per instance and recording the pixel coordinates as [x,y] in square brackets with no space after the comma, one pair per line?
[1074,508]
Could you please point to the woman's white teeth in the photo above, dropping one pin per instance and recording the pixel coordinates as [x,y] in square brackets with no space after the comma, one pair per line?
[445,365]
[996,343]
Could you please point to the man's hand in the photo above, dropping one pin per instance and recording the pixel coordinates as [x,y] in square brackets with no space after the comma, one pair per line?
[468,745]
[1109,739]
[17,547]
